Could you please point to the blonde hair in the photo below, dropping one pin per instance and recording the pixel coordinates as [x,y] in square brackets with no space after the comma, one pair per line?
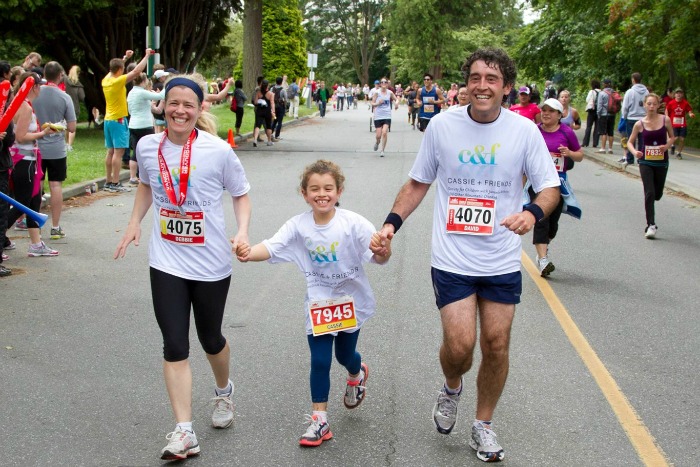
[206,121]
[73,74]
[655,96]
[322,167]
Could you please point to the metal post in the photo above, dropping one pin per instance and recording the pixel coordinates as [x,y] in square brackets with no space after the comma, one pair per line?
[150,37]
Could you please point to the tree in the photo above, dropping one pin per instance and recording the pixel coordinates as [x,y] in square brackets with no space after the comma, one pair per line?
[252,43]
[284,45]
[91,32]
[347,35]
[428,35]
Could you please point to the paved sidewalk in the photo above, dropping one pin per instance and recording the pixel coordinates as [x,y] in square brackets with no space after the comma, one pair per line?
[683,175]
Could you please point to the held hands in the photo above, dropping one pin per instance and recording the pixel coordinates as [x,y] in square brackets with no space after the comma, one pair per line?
[242,251]
[380,244]
[519,223]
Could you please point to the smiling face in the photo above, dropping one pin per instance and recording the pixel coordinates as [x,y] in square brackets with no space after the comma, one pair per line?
[550,116]
[321,193]
[486,89]
[182,108]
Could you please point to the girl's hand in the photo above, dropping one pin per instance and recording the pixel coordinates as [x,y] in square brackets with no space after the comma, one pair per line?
[638,154]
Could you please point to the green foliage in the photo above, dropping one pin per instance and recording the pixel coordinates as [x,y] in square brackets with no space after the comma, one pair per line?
[349,38]
[227,55]
[284,45]
[436,36]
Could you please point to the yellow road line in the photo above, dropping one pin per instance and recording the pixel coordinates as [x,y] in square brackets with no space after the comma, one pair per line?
[649,452]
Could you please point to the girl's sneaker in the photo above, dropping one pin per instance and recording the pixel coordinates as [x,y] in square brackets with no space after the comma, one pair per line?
[355,390]
[21,224]
[181,445]
[316,433]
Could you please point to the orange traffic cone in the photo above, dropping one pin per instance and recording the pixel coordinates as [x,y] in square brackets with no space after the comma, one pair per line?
[231,140]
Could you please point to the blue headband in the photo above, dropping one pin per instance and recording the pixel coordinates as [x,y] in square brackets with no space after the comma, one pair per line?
[188,83]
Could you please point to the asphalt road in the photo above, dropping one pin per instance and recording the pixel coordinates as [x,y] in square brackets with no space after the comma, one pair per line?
[80,351]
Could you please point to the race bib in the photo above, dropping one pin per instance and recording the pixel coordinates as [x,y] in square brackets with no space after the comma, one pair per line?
[183,229]
[558,160]
[678,121]
[470,216]
[332,315]
[653,153]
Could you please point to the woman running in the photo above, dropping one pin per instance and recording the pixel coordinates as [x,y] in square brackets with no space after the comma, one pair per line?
[382,102]
[189,253]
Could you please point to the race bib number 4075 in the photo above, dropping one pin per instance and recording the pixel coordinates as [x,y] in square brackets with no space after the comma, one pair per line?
[471,216]
[332,315]
[183,229]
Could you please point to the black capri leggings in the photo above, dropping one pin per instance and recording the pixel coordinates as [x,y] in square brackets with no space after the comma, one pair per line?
[239,116]
[545,230]
[172,299]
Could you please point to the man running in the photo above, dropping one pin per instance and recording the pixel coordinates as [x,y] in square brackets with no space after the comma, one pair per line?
[430,99]
[478,157]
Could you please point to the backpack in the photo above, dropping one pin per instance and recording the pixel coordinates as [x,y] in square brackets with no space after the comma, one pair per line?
[277,90]
[292,91]
[614,102]
[234,103]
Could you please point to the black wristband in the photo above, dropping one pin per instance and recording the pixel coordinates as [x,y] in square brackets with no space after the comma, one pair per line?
[395,220]
[535,210]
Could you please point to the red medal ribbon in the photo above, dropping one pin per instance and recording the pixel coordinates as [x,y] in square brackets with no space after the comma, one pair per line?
[184,170]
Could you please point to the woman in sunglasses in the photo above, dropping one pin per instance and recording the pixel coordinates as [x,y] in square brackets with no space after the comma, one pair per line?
[382,101]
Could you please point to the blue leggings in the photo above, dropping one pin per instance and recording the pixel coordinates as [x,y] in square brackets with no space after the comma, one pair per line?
[322,355]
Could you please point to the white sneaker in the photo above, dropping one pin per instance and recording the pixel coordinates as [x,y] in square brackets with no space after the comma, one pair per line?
[181,445]
[376,146]
[223,412]
[381,154]
[445,411]
[545,266]
[483,441]
[41,250]
[651,231]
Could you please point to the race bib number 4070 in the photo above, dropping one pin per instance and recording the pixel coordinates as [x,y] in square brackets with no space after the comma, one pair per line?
[471,216]
[332,315]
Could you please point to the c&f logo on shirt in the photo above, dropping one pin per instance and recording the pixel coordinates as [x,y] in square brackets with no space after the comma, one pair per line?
[478,156]
[320,253]
[175,174]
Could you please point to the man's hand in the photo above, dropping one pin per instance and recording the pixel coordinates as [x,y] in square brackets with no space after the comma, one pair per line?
[519,223]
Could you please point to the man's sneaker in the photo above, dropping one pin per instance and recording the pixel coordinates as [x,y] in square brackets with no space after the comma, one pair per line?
[651,231]
[679,155]
[316,433]
[108,187]
[223,412]
[21,224]
[119,188]
[622,160]
[181,445]
[57,233]
[9,245]
[376,146]
[41,250]
[355,390]
[673,149]
[381,154]
[5,271]
[545,266]
[483,441]
[445,410]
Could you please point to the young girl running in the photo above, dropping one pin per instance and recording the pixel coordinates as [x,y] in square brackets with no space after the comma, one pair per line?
[655,137]
[329,246]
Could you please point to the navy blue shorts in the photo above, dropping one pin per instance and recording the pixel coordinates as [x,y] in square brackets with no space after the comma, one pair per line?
[450,287]
[680,131]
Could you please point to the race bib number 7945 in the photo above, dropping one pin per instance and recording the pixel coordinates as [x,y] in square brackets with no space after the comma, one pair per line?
[332,315]
[470,216]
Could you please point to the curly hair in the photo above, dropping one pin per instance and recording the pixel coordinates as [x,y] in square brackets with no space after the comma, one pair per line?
[322,167]
[493,57]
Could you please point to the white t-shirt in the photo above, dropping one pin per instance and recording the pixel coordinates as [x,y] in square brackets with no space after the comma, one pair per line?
[330,256]
[482,162]
[213,165]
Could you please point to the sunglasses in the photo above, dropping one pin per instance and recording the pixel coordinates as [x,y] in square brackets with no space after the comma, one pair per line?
[383,82]
[427,79]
